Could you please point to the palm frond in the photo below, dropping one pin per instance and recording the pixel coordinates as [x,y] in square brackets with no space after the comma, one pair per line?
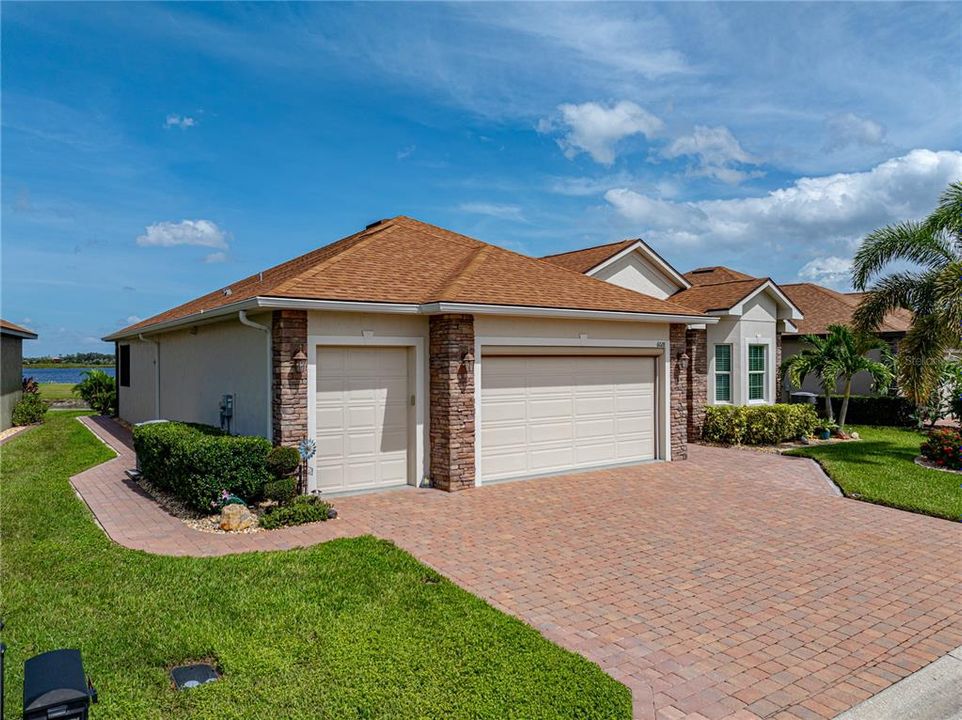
[910,240]
[922,354]
[947,217]
[903,290]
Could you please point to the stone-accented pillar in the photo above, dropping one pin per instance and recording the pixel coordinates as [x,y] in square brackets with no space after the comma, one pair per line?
[779,392]
[696,345]
[679,392]
[452,401]
[289,406]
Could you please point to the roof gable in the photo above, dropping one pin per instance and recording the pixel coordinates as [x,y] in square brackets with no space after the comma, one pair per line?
[591,260]
[714,275]
[402,260]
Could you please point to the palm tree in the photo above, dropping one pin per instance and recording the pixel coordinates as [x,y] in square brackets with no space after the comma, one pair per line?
[839,355]
[932,290]
[813,360]
[849,357]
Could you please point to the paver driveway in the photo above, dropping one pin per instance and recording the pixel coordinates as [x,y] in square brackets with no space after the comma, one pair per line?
[733,585]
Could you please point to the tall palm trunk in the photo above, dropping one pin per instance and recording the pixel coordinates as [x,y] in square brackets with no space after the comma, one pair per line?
[844,411]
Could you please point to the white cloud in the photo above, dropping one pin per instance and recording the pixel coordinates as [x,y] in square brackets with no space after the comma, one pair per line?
[813,212]
[717,152]
[181,121]
[406,152]
[130,320]
[504,212]
[847,129]
[204,233]
[596,129]
[216,257]
[832,271]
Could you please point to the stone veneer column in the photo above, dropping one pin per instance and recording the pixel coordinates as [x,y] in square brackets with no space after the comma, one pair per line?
[696,345]
[778,368]
[452,402]
[289,406]
[679,393]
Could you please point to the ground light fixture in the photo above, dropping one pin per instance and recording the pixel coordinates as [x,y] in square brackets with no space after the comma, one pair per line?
[191,676]
[55,686]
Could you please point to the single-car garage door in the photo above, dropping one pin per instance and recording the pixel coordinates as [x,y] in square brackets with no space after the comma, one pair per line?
[545,414]
[361,417]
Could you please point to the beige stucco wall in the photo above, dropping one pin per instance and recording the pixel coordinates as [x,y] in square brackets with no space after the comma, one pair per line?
[196,368]
[756,325]
[11,362]
[636,273]
[861,383]
[138,402]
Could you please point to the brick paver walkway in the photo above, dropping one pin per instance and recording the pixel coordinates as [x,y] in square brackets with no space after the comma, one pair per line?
[734,585]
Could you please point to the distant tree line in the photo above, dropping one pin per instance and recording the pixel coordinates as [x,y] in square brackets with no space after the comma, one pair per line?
[84,358]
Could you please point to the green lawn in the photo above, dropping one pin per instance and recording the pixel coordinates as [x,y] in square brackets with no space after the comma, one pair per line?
[347,629]
[880,468]
[57,391]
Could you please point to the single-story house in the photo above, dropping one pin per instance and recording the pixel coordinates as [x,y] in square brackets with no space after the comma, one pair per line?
[11,367]
[407,351]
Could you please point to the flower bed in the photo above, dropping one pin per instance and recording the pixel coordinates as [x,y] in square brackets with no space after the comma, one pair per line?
[942,449]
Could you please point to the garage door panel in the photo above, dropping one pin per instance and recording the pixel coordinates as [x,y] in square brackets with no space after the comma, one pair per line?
[361,417]
[553,413]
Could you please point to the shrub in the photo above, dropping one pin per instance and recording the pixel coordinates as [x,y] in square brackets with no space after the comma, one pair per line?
[943,447]
[281,490]
[199,462]
[30,386]
[282,461]
[98,390]
[891,411]
[29,410]
[758,424]
[303,509]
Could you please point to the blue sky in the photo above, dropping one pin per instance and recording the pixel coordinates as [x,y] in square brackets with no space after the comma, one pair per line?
[152,152]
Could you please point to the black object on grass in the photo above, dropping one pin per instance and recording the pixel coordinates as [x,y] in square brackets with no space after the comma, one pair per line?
[191,676]
[55,686]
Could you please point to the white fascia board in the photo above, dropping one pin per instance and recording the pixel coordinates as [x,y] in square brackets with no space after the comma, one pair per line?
[650,255]
[405,309]
[532,311]
[19,334]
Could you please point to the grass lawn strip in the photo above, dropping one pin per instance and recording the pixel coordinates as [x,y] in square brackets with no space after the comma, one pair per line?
[349,629]
[881,468]
[57,391]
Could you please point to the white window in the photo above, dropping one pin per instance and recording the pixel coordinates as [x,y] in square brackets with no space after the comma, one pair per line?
[723,373]
[757,364]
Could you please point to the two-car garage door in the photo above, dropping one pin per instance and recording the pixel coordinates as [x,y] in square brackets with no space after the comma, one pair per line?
[546,414]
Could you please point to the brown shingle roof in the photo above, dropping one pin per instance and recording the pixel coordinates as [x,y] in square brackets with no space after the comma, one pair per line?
[823,306]
[402,260]
[583,260]
[7,325]
[714,275]
[717,296]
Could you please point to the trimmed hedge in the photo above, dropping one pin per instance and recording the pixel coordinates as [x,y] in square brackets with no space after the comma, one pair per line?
[873,410]
[302,509]
[758,424]
[197,462]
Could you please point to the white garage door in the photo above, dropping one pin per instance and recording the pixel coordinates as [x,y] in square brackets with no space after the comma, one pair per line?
[553,413]
[361,418]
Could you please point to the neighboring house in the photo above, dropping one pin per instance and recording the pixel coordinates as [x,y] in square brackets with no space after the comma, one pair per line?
[11,367]
[409,351]
[733,361]
[823,307]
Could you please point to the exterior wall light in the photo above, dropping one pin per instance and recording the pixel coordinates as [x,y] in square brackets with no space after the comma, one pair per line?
[683,360]
[467,361]
[300,361]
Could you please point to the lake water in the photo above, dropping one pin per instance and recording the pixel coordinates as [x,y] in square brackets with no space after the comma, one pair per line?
[61,375]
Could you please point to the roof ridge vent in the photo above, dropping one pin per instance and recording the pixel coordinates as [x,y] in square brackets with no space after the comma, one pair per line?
[375,223]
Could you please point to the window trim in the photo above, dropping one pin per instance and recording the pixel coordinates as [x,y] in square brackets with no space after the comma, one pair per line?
[716,373]
[765,372]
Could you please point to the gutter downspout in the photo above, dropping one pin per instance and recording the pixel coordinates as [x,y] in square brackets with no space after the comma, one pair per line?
[156,344]
[242,316]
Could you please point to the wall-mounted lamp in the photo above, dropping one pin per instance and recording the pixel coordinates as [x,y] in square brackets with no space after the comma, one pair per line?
[300,360]
[683,360]
[467,361]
